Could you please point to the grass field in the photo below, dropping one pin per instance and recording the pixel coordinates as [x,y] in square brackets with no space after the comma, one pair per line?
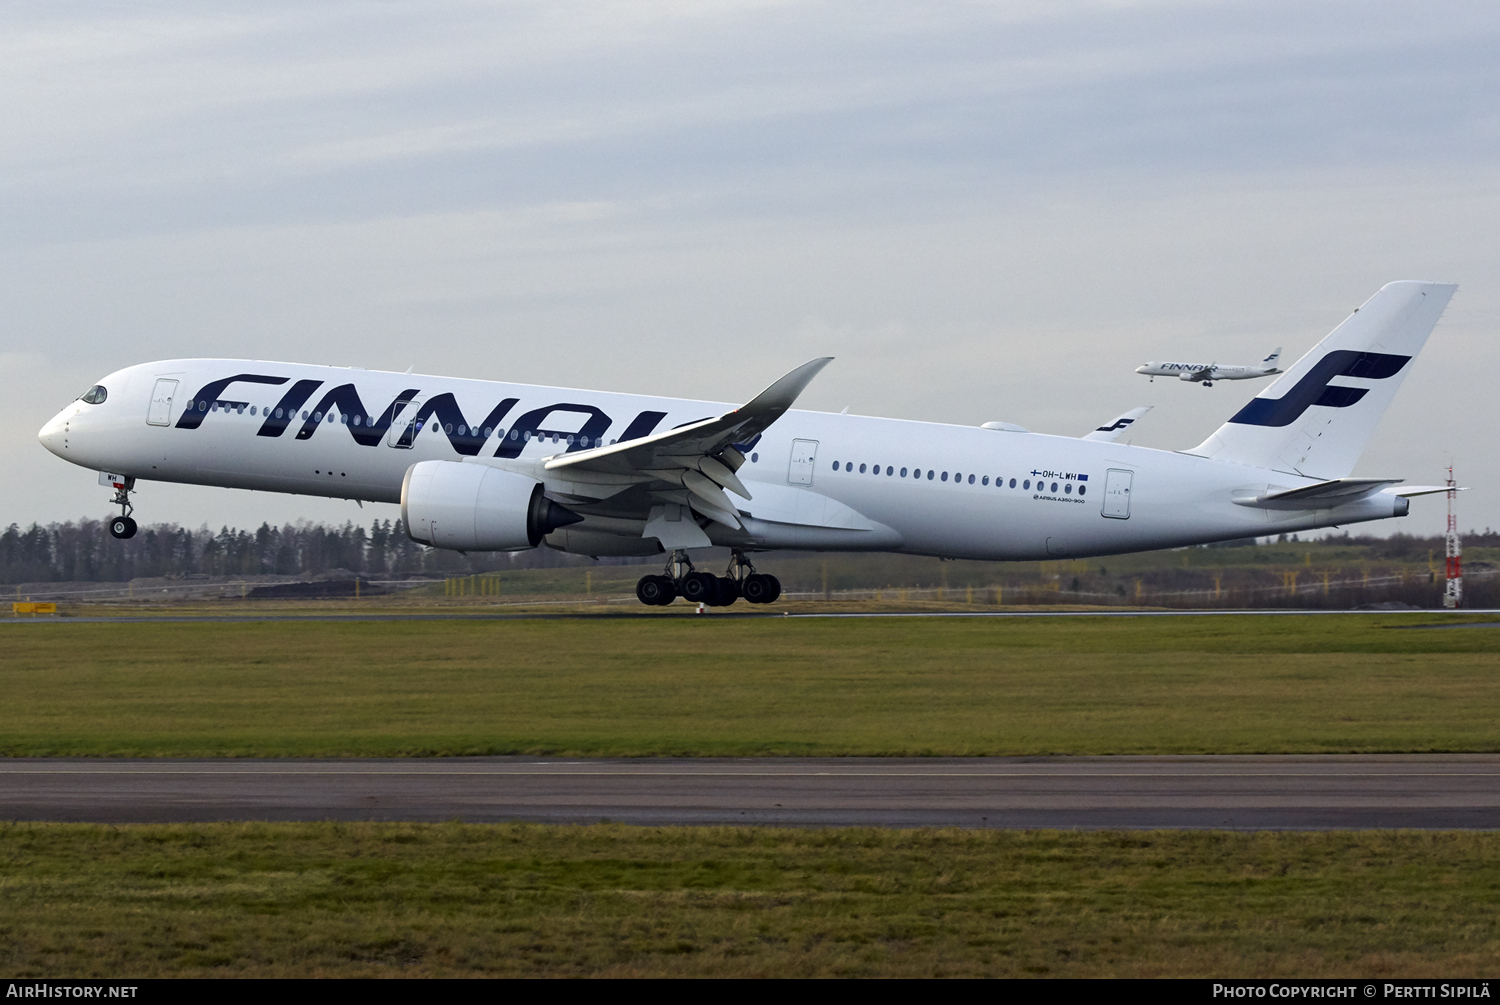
[731,686]
[514,900]
[607,900]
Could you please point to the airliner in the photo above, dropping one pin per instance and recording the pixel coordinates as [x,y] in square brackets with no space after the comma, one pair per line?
[1207,373]
[493,466]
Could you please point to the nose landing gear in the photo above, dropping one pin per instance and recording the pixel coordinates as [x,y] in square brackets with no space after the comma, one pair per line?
[681,579]
[123,526]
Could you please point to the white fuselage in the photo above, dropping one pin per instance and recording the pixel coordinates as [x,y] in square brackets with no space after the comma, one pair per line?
[981,493]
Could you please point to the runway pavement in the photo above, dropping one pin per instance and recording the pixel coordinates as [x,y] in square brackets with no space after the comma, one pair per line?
[1242,793]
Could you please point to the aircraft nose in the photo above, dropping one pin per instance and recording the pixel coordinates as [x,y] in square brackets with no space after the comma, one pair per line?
[1143,368]
[54,435]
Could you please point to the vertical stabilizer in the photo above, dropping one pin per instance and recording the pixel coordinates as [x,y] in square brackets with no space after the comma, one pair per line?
[1316,418]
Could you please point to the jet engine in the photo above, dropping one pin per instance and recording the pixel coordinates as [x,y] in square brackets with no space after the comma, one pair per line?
[471,507]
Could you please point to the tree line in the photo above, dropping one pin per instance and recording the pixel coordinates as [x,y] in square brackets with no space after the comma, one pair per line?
[85,551]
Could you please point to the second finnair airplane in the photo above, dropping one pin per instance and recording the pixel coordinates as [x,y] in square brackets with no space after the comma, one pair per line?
[490,466]
[1207,373]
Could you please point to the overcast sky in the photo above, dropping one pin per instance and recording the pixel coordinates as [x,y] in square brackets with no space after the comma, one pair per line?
[984,210]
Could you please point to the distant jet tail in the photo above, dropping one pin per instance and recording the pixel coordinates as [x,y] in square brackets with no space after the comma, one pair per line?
[1270,361]
[1316,418]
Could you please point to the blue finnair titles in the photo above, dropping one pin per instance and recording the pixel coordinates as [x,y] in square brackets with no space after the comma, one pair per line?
[485,465]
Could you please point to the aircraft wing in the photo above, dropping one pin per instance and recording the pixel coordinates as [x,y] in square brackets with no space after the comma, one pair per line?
[1112,430]
[700,456]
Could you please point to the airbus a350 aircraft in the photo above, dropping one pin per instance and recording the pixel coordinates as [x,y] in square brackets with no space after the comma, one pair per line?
[488,466]
[1207,373]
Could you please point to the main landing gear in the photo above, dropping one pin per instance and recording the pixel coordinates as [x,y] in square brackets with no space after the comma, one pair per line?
[123,526]
[681,580]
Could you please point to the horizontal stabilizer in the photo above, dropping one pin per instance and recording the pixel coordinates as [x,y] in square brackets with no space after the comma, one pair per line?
[1322,495]
[1412,491]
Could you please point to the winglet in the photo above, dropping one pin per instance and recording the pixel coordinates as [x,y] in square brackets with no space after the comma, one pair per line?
[780,396]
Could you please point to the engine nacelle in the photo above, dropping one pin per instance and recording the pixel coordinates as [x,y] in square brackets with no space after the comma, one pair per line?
[471,507]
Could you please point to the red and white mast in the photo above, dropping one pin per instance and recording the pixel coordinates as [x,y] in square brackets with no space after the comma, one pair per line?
[1453,593]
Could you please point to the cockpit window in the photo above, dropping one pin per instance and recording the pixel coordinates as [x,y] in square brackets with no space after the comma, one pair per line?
[94,395]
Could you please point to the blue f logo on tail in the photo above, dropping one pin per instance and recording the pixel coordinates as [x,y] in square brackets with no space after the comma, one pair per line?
[1314,389]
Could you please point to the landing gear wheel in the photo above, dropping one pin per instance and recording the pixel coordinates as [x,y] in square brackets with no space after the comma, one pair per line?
[122,526]
[701,588]
[655,591]
[729,591]
[760,589]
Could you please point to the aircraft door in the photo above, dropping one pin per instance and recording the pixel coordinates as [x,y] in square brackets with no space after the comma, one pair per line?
[1117,493]
[800,471]
[403,432]
[160,412]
